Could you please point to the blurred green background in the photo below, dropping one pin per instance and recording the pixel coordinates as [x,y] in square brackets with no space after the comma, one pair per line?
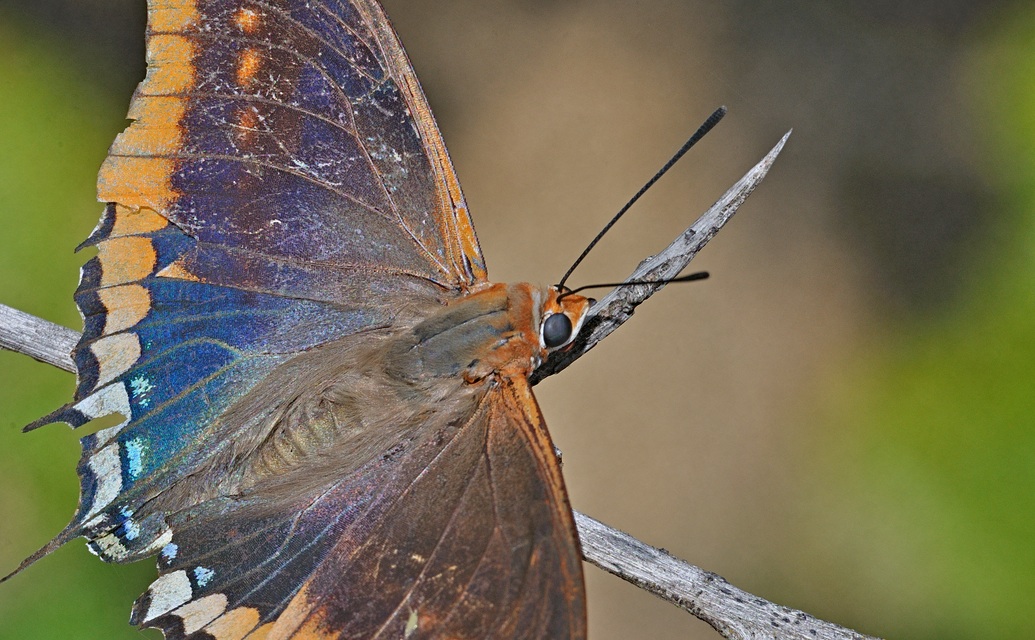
[842,420]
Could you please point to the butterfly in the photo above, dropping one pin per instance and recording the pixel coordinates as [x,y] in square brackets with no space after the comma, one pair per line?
[329,430]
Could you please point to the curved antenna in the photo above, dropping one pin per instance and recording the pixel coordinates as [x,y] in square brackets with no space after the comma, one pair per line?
[699,275]
[708,125]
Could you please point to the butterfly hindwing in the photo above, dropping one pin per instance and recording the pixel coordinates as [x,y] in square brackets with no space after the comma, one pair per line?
[462,532]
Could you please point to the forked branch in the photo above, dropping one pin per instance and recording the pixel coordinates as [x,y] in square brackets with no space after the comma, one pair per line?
[735,614]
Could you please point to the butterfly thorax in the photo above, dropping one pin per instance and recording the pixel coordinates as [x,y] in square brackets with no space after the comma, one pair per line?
[493,331]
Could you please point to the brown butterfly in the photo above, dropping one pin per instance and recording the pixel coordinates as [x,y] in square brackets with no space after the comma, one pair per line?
[329,429]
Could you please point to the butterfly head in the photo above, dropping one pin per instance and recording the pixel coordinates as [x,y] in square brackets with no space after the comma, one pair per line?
[561,319]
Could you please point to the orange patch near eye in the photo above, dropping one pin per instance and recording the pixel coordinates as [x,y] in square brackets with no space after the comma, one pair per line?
[137,182]
[173,16]
[249,65]
[170,65]
[126,259]
[248,20]
[126,305]
[130,222]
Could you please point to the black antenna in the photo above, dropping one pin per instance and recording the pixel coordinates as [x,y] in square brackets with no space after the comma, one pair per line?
[700,133]
[700,275]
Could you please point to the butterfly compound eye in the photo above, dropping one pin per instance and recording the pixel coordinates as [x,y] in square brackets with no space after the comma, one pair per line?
[556,330]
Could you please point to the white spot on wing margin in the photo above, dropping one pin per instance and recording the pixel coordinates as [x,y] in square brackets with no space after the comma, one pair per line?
[111,399]
[115,355]
[107,468]
[167,593]
[197,614]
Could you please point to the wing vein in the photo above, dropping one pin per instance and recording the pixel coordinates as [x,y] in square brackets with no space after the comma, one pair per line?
[438,545]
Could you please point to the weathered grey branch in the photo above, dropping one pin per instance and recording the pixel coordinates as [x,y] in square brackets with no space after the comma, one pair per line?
[611,311]
[735,614]
[37,338]
[732,612]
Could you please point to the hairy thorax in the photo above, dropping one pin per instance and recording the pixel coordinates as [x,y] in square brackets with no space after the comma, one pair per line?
[345,403]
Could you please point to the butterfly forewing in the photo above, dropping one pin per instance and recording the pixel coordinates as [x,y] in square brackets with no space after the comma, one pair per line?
[288,132]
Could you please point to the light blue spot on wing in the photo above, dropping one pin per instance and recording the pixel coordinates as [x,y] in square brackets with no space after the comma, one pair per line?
[140,385]
[169,551]
[130,529]
[203,575]
[134,456]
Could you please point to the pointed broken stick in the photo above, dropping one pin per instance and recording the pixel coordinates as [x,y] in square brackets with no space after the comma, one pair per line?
[611,311]
[734,613]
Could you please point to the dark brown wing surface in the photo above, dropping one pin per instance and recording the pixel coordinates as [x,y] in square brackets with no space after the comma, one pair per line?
[465,532]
